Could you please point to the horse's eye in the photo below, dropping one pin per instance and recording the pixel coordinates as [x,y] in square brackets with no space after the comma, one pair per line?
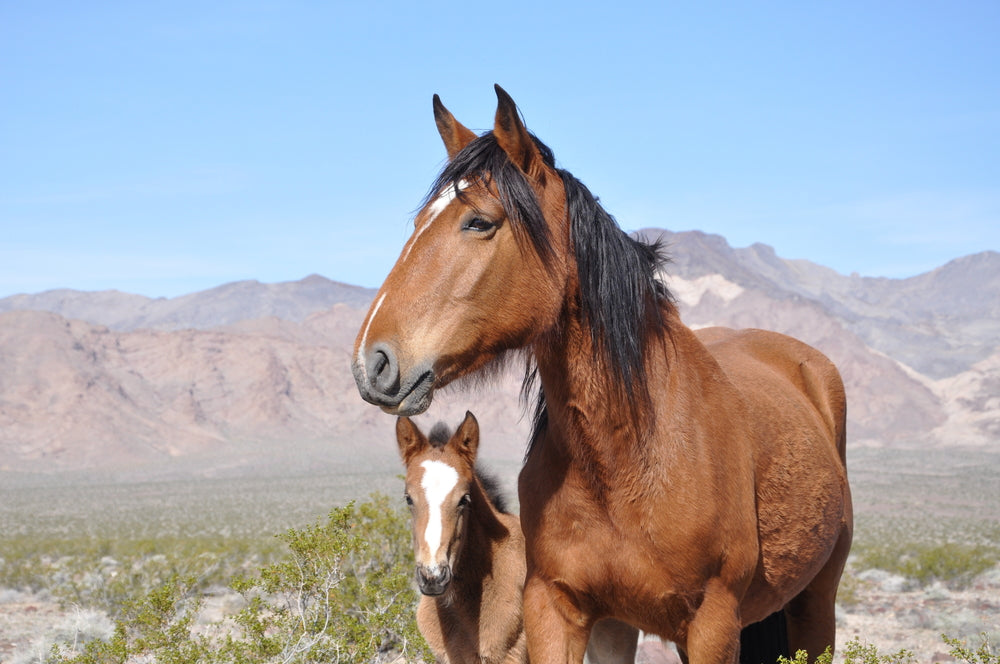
[465,501]
[479,225]
[409,501]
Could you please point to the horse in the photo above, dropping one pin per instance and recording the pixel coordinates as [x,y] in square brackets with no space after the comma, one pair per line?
[689,483]
[470,557]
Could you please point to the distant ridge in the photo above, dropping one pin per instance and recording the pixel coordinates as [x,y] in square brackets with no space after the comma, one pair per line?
[222,305]
[255,378]
[939,323]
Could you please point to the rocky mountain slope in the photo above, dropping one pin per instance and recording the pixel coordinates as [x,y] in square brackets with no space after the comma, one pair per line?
[230,303]
[250,377]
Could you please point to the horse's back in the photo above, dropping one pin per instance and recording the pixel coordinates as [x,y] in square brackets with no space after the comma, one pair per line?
[779,368]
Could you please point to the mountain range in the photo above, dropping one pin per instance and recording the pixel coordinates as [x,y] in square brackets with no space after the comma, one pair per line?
[255,378]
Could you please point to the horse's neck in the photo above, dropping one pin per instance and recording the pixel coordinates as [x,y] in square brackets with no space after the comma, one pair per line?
[585,402]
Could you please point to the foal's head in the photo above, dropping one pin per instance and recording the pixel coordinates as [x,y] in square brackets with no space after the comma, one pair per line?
[440,478]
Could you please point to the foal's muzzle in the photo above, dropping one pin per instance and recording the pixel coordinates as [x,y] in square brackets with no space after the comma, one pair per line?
[433,580]
[382,382]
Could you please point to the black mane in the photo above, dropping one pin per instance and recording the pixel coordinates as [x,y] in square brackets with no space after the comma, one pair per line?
[483,159]
[621,299]
[491,487]
[440,435]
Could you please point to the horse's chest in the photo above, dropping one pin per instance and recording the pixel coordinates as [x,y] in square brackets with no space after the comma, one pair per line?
[596,547]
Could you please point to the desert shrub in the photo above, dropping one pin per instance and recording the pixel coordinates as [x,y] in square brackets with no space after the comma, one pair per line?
[342,593]
[802,657]
[954,564]
[984,654]
[104,573]
[854,652]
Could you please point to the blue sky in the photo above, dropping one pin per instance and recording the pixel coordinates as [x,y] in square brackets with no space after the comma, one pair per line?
[163,148]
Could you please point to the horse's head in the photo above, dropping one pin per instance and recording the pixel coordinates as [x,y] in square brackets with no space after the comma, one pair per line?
[484,272]
[440,477]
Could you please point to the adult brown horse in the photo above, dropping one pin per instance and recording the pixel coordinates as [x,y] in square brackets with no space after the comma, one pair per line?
[687,483]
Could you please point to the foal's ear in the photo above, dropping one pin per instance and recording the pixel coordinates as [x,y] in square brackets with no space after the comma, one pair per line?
[513,137]
[467,437]
[454,134]
[409,438]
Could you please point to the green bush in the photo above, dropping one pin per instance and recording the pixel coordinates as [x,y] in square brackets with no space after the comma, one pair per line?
[951,563]
[856,652]
[984,654]
[343,593]
[105,574]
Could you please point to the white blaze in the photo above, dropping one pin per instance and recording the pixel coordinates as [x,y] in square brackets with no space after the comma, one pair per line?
[436,207]
[438,481]
[364,335]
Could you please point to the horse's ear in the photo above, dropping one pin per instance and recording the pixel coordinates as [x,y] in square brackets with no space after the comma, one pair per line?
[513,136]
[467,437]
[409,438]
[454,134]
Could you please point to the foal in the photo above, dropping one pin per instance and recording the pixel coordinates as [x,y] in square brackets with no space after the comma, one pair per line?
[470,556]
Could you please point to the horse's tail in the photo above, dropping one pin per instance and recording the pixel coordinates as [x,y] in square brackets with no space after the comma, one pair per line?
[763,642]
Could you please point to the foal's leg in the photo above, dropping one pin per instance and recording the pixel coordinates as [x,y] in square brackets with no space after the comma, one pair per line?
[556,628]
[812,621]
[612,642]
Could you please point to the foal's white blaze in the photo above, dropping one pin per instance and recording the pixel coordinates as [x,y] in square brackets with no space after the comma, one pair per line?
[438,481]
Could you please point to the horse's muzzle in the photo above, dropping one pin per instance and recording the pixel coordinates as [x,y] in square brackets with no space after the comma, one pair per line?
[433,580]
[381,382]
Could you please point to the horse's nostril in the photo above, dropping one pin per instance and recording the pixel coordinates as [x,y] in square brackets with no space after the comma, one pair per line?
[381,361]
[385,371]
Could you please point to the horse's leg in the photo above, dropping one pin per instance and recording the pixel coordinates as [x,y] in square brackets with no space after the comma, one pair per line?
[612,642]
[556,628]
[713,636]
[811,615]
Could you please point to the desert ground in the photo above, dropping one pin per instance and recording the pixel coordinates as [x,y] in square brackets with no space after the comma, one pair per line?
[905,500]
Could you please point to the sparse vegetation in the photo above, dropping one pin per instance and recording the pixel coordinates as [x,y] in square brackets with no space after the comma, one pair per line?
[857,652]
[341,592]
[985,653]
[954,564]
[191,571]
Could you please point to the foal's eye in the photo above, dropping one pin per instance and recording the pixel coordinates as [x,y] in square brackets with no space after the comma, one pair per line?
[409,501]
[479,225]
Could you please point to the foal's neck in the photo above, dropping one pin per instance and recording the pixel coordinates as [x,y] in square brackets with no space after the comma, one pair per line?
[485,532]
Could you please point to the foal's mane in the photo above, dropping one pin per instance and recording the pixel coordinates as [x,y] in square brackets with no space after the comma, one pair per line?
[621,299]
[439,436]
